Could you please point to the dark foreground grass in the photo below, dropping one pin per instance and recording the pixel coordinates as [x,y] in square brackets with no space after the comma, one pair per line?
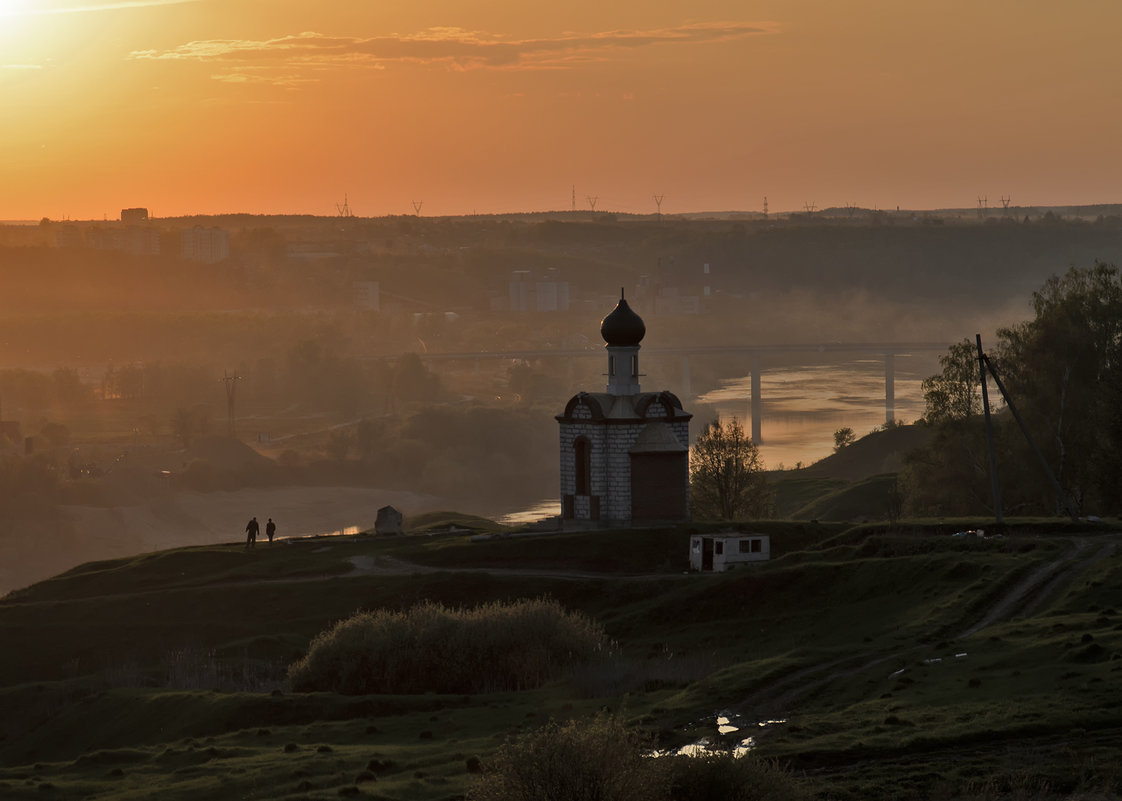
[155,676]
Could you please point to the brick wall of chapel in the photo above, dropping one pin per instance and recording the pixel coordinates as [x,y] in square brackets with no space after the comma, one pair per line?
[610,475]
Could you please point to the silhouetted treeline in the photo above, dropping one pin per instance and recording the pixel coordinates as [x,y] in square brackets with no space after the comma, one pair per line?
[1063,372]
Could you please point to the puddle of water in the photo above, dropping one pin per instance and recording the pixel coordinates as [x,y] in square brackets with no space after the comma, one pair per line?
[725,727]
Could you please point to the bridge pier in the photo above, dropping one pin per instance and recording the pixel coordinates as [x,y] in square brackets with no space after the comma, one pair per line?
[755,409]
[889,389]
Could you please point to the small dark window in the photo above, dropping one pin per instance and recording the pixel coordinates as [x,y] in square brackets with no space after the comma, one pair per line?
[718,547]
[582,455]
[746,546]
[611,365]
[634,366]
[756,545]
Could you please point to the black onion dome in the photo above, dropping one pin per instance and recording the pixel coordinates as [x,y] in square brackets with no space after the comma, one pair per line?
[623,327]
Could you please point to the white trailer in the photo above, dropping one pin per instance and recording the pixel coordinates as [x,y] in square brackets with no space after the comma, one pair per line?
[720,552]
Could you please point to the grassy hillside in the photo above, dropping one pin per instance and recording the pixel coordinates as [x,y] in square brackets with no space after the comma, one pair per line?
[854,484]
[903,662]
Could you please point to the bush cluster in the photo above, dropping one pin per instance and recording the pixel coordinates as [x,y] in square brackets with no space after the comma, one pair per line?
[604,759]
[431,648]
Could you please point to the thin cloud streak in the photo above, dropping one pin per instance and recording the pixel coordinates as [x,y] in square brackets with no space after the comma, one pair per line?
[80,9]
[454,48]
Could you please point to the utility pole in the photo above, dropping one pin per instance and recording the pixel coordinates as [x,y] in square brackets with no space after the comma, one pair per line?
[994,485]
[592,201]
[765,207]
[1062,496]
[658,205]
[417,206]
[231,382]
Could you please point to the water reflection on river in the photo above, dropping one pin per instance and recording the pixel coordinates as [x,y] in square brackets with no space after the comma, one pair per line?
[803,406]
[539,511]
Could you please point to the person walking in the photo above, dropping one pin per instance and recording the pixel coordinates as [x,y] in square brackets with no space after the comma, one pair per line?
[251,530]
[270,529]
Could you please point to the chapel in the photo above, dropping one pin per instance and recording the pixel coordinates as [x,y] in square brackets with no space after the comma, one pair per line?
[624,453]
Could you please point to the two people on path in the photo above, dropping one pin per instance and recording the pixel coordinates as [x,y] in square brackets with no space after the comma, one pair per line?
[253,528]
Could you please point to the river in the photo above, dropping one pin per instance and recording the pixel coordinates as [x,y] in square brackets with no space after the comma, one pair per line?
[804,405]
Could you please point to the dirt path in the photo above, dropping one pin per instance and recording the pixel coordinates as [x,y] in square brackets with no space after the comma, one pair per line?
[392,566]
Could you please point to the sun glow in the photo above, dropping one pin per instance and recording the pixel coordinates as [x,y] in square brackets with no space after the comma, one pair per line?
[13,8]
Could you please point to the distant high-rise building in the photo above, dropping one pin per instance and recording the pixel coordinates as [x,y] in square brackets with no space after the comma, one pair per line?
[68,235]
[552,294]
[368,295]
[208,245]
[134,216]
[548,294]
[139,240]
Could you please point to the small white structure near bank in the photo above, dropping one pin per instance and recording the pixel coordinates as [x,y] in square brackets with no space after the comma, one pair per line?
[720,552]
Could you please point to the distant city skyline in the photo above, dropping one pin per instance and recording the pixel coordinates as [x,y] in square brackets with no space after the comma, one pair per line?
[286,107]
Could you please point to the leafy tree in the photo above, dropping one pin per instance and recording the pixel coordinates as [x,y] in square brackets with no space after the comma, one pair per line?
[56,434]
[1062,369]
[843,438]
[411,380]
[339,444]
[369,435]
[183,426]
[69,389]
[955,393]
[727,478]
[187,424]
[951,475]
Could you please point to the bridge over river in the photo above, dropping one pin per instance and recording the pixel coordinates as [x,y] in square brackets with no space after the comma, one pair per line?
[753,356]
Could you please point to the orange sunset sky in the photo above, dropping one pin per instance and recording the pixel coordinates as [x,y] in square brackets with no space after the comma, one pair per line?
[284,106]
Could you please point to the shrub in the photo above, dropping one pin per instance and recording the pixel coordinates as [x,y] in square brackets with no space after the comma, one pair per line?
[600,759]
[603,759]
[730,778]
[431,648]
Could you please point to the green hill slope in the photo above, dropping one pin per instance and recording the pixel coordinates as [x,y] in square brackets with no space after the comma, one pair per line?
[164,674]
[854,484]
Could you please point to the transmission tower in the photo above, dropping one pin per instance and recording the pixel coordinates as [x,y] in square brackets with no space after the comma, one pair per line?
[1005,200]
[765,207]
[231,382]
[592,201]
[658,204]
[417,206]
[983,205]
[810,207]
[344,208]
